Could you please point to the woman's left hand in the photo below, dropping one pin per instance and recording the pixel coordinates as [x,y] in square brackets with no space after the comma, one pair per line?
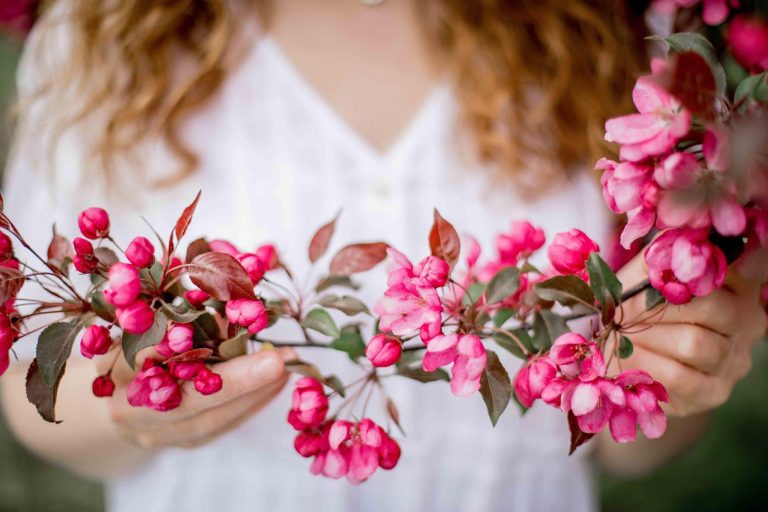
[699,350]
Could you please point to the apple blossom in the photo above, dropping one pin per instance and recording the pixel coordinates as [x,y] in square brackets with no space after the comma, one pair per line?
[85,260]
[532,378]
[643,395]
[94,223]
[575,356]
[569,252]
[140,252]
[208,382]
[136,318]
[123,286]
[383,350]
[180,337]
[95,341]
[154,387]
[309,405]
[247,313]
[103,386]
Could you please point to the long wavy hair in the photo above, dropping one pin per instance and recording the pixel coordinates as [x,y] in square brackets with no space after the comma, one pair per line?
[534,79]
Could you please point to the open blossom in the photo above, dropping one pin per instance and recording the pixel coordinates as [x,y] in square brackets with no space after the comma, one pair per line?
[154,387]
[94,223]
[179,337]
[136,318]
[383,350]
[103,386]
[683,263]
[95,341]
[748,38]
[466,352]
[522,240]
[569,252]
[714,12]
[593,403]
[208,382]
[532,378]
[309,405]
[700,196]
[124,285]
[85,260]
[432,270]
[247,313]
[576,356]
[643,395]
[140,252]
[655,130]
[410,306]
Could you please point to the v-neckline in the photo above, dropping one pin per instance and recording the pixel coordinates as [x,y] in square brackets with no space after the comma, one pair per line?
[322,108]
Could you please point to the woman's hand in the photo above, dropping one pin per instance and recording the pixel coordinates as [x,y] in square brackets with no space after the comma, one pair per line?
[699,350]
[250,383]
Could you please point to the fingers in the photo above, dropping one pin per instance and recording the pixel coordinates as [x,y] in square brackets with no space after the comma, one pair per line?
[696,347]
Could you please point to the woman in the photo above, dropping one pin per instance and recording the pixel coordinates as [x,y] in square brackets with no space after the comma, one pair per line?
[284,112]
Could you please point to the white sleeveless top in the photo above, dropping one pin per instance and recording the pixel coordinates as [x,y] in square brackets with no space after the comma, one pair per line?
[277,162]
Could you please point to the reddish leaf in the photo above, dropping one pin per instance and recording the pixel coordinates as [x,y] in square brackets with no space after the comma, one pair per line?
[693,83]
[106,257]
[578,437]
[196,248]
[11,281]
[221,276]
[358,258]
[444,240]
[192,355]
[59,247]
[186,217]
[42,395]
[321,239]
[394,414]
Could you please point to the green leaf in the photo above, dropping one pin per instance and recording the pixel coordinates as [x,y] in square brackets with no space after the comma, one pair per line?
[625,347]
[547,327]
[693,42]
[753,87]
[603,281]
[181,314]
[343,281]
[234,347]
[502,285]
[41,394]
[418,374]
[570,291]
[351,342]
[508,342]
[320,320]
[653,298]
[502,315]
[54,347]
[154,274]
[135,343]
[101,307]
[472,294]
[495,387]
[348,305]
[206,330]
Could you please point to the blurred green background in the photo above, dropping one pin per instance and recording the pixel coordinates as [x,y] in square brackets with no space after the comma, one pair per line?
[727,471]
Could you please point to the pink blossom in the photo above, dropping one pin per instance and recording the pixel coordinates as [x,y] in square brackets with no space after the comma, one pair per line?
[7,337]
[593,402]
[363,447]
[522,240]
[154,387]
[466,352]
[569,252]
[94,223]
[103,386]
[309,404]
[196,298]
[252,265]
[748,37]
[311,442]
[247,313]
[643,395]
[180,337]
[532,378]
[223,246]
[124,285]
[6,247]
[700,196]
[433,270]
[208,382]
[268,256]
[140,252]
[383,350]
[85,260]
[185,370]
[136,318]
[410,306]
[714,12]
[655,130]
[683,263]
[576,356]
[96,341]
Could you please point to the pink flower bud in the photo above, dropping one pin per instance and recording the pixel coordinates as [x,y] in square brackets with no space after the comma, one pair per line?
[196,298]
[95,342]
[389,452]
[383,350]
[180,338]
[748,38]
[223,246]
[103,386]
[185,370]
[309,405]
[124,285]
[311,442]
[532,379]
[434,270]
[94,223]
[154,387]
[247,313]
[522,240]
[140,252]
[7,336]
[252,265]
[569,252]
[207,382]
[268,256]
[84,260]
[6,247]
[136,318]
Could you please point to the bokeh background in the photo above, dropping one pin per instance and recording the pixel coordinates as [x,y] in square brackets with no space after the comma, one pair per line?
[726,471]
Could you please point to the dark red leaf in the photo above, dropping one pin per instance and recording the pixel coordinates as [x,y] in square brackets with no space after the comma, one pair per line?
[358,258]
[192,355]
[320,240]
[444,240]
[59,247]
[186,217]
[196,248]
[221,276]
[11,281]
[693,83]
[42,395]
[578,437]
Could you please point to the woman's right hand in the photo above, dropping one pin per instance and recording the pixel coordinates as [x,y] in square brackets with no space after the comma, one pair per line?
[250,383]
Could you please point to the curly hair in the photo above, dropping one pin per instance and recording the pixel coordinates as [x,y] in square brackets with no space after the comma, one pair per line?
[534,80]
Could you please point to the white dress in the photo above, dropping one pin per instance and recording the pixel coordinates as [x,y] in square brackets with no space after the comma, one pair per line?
[277,162]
